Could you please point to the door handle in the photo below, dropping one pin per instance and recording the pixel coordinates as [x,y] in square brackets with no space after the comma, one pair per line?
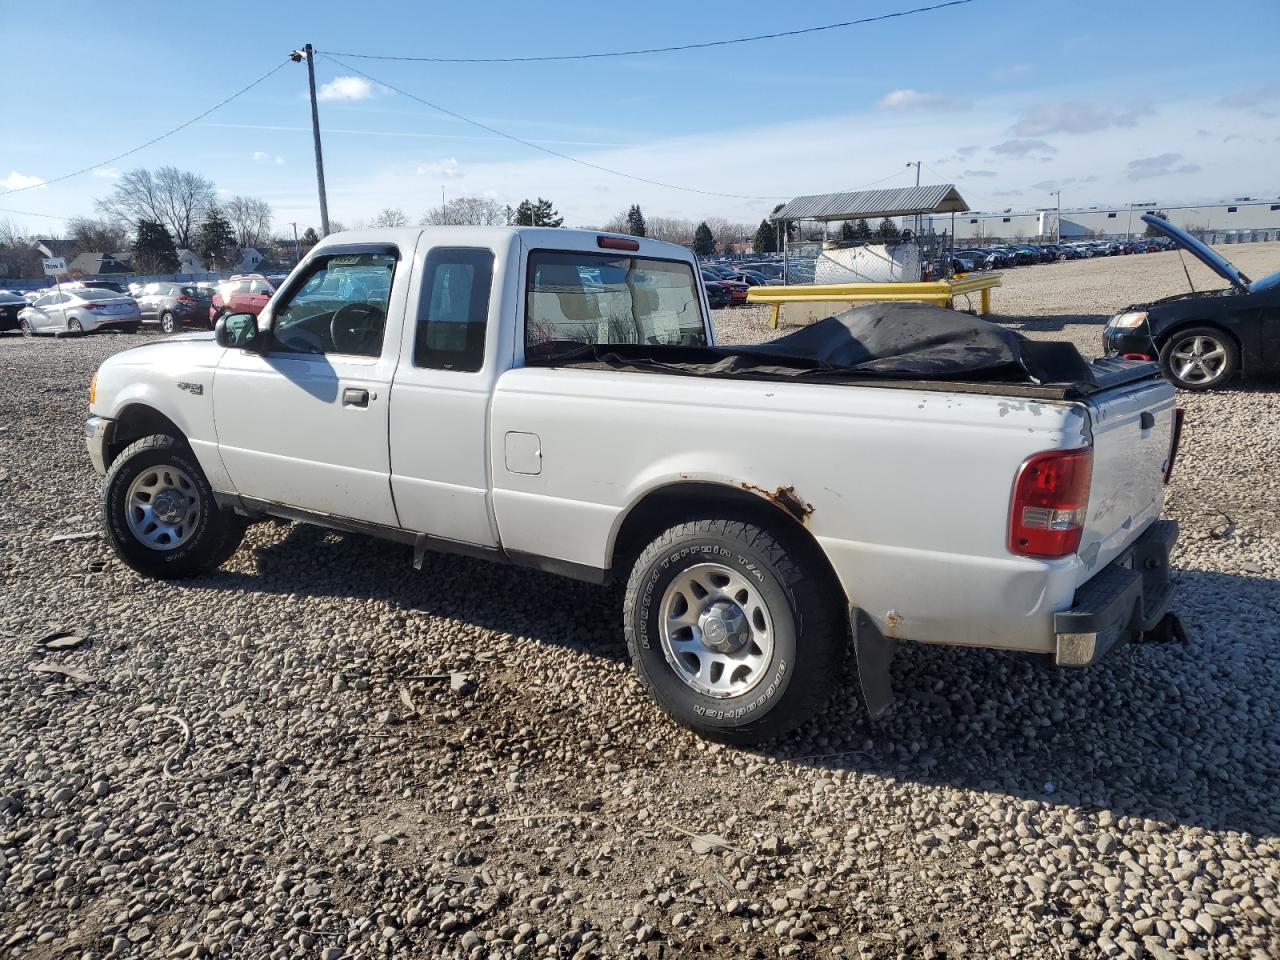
[355,397]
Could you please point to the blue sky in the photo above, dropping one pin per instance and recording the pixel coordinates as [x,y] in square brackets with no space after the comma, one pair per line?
[1108,101]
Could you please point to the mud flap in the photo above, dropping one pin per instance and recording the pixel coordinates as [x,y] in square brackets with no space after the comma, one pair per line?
[1168,629]
[875,655]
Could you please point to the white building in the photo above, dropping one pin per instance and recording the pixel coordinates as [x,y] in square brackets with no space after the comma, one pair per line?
[1237,221]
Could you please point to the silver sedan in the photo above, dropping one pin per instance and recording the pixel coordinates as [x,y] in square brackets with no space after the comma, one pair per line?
[80,311]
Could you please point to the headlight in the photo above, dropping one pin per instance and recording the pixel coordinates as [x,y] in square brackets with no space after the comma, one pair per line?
[1129,320]
[93,388]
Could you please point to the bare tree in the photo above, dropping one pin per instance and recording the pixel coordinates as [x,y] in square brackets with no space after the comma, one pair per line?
[670,229]
[19,257]
[468,211]
[178,199]
[98,234]
[250,220]
[617,223]
[390,217]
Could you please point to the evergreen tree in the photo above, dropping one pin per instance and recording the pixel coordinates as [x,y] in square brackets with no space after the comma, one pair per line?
[310,237]
[153,249]
[766,238]
[215,238]
[888,230]
[704,241]
[537,213]
[635,221]
[846,231]
[1152,231]
[862,230]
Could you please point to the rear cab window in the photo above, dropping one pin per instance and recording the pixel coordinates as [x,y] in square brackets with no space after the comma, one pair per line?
[453,309]
[576,299]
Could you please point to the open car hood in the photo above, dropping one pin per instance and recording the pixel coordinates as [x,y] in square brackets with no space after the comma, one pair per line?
[1201,251]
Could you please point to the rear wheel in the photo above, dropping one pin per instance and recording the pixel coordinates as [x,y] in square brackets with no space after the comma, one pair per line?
[160,513]
[1199,358]
[74,327]
[166,322]
[731,630]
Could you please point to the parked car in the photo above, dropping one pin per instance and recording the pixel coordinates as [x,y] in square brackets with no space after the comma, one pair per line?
[80,310]
[11,304]
[175,305]
[770,271]
[736,289]
[244,293]
[478,417]
[115,286]
[1203,338]
[717,293]
[758,279]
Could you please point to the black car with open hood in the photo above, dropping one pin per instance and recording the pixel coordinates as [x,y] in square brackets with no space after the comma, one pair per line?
[1205,337]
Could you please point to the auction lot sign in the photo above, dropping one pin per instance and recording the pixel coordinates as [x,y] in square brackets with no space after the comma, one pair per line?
[55,266]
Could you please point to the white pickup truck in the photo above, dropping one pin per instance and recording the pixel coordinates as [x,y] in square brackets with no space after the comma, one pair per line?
[415,385]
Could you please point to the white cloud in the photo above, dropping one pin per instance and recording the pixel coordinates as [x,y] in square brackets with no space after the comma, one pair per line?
[347,88]
[1071,118]
[1162,165]
[105,173]
[20,181]
[980,173]
[260,157]
[1022,148]
[448,169]
[279,161]
[908,99]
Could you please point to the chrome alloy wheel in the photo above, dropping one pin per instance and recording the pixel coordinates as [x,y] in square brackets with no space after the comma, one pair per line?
[716,631]
[162,508]
[1198,359]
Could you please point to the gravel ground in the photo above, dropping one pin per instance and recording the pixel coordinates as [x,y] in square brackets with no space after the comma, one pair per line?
[317,752]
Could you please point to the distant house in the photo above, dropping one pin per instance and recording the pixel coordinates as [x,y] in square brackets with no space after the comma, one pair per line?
[51,247]
[188,262]
[250,260]
[96,263]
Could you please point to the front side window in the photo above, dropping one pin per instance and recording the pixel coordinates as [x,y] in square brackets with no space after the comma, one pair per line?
[340,306]
[576,299]
[453,309]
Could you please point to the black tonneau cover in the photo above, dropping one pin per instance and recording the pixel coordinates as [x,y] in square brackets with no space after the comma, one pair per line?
[912,345]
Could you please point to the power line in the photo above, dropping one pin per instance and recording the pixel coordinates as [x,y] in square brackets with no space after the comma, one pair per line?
[170,133]
[675,49]
[32,213]
[535,146]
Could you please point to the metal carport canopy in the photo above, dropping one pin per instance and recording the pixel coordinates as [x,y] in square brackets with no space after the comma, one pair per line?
[907,202]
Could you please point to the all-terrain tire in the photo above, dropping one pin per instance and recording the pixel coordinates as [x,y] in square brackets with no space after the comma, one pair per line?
[214,537]
[808,631]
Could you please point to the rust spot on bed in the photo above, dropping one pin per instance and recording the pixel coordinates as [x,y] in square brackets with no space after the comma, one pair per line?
[786,498]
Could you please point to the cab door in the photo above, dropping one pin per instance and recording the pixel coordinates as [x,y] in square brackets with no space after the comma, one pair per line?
[302,418]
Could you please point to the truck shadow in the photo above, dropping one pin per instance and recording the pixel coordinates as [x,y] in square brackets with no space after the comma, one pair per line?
[1186,735]
[1180,735]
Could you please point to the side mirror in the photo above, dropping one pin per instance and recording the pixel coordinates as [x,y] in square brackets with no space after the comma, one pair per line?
[237,330]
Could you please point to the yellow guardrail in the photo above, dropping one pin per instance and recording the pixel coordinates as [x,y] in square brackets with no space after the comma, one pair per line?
[940,292]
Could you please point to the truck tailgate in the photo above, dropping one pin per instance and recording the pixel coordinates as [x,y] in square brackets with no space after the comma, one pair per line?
[1132,429]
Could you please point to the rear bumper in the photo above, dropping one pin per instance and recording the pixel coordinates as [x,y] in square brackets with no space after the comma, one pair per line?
[1127,597]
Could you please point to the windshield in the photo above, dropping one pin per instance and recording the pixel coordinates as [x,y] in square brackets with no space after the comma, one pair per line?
[575,299]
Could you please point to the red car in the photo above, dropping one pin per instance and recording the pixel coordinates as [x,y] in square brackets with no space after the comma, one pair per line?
[736,289]
[244,293]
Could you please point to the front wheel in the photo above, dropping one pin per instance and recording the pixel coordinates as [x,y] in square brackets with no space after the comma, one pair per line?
[160,513]
[1199,358]
[24,325]
[166,322]
[731,631]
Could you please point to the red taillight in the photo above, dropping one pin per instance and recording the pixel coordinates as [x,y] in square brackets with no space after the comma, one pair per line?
[94,306]
[617,243]
[185,299]
[1050,501]
[1179,414]
[1135,356]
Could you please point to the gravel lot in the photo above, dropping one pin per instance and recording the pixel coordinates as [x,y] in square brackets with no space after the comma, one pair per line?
[317,752]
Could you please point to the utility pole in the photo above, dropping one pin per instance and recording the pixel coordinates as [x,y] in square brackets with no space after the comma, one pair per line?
[306,53]
[1058,221]
[916,164]
[297,252]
